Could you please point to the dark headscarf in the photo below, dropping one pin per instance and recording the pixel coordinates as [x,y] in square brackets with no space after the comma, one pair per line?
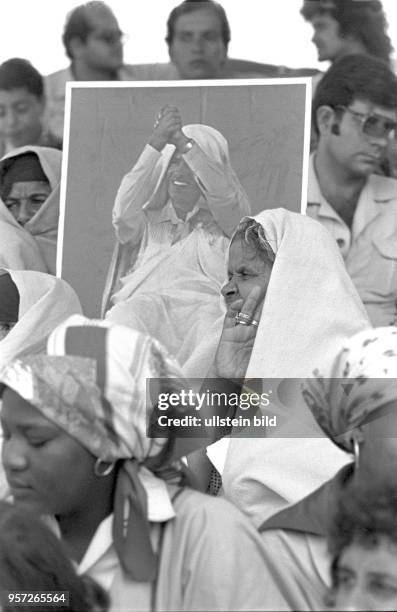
[20,169]
[9,299]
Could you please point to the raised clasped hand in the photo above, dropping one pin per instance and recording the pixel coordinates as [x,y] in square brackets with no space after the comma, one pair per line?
[167,128]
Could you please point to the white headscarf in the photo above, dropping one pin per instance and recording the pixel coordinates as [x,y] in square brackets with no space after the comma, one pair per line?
[215,146]
[311,308]
[18,248]
[44,302]
[43,226]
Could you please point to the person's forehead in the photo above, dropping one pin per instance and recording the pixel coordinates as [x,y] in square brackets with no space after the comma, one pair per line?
[28,187]
[241,253]
[101,18]
[15,410]
[202,20]
[15,96]
[365,106]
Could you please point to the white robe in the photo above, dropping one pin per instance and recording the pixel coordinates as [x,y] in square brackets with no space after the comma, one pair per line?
[311,308]
[173,291]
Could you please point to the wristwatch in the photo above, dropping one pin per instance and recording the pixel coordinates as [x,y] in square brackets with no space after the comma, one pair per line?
[187,146]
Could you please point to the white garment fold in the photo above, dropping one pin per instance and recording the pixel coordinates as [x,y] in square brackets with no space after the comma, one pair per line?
[173,291]
[43,226]
[311,308]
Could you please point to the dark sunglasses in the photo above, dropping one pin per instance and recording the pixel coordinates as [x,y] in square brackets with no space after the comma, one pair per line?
[372,124]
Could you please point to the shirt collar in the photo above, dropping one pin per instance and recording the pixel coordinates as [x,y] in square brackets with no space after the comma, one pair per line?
[168,213]
[377,190]
[312,513]
[315,196]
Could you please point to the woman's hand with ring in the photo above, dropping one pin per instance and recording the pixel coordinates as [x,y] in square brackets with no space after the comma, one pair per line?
[238,336]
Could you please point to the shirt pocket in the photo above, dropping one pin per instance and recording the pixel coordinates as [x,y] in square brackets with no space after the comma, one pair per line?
[383,266]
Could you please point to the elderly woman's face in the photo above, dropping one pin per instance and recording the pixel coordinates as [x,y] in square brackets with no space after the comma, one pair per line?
[246,269]
[366,578]
[47,470]
[182,187]
[26,198]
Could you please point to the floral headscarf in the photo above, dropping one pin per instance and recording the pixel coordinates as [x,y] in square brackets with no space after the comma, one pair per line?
[363,379]
[93,385]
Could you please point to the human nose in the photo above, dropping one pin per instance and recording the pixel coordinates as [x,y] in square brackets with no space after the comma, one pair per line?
[197,44]
[13,456]
[380,142]
[11,118]
[23,215]
[230,289]
[355,601]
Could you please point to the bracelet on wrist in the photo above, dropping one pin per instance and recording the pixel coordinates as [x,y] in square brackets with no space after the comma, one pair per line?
[186,148]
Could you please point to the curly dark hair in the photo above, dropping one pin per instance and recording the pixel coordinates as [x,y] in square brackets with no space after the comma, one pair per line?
[365,20]
[356,77]
[188,6]
[362,515]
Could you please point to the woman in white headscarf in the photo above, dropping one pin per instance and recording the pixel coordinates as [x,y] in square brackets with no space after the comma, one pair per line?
[298,305]
[33,303]
[173,214]
[29,191]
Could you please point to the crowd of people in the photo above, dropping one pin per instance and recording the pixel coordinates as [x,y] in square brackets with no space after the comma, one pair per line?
[105,506]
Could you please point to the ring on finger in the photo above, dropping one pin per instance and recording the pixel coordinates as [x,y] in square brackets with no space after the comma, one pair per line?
[244,316]
[255,323]
[242,320]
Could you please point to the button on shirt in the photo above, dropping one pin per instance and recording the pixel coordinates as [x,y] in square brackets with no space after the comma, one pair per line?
[370,247]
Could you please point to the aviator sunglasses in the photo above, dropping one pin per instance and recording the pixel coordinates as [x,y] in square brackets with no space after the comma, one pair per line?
[372,124]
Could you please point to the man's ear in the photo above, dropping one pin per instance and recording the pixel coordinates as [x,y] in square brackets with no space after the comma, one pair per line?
[325,116]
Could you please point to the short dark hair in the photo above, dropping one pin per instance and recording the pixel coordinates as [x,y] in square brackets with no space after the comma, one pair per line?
[77,25]
[17,73]
[365,20]
[356,76]
[188,6]
[362,515]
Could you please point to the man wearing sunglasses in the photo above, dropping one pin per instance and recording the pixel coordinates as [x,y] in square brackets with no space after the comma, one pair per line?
[94,44]
[355,115]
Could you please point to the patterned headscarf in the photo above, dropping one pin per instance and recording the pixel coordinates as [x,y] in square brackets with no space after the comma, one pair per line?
[93,386]
[363,379]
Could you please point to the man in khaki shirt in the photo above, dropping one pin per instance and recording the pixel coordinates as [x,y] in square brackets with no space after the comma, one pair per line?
[355,114]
